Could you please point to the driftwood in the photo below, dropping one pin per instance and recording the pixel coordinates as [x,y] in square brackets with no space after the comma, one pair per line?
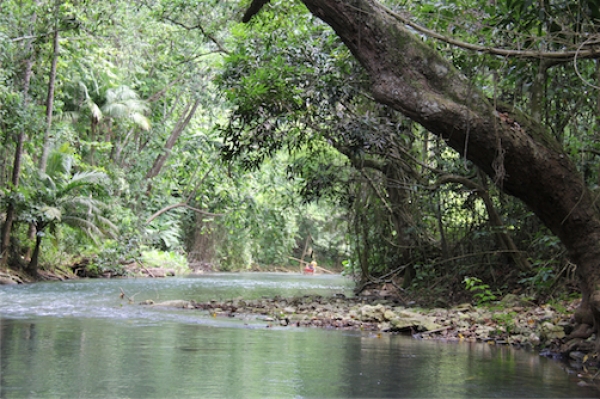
[322,269]
[124,295]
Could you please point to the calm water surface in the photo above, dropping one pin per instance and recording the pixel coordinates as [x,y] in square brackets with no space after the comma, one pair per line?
[80,340]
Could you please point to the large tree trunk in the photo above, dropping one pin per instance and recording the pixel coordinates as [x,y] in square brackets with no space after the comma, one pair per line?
[32,267]
[520,155]
[516,152]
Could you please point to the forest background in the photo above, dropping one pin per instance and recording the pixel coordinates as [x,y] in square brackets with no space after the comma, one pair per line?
[169,133]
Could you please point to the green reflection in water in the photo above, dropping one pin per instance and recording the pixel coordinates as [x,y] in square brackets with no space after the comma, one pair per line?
[79,339]
[68,357]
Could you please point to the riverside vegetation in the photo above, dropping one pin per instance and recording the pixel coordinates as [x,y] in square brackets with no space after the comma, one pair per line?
[261,145]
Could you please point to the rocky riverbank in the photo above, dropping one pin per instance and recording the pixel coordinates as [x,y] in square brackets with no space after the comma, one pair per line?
[512,321]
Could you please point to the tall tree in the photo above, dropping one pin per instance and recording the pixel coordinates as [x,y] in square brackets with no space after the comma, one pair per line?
[51,88]
[517,152]
[18,157]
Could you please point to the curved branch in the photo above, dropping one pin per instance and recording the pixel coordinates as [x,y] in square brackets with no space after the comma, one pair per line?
[201,29]
[577,55]
[593,52]
[203,212]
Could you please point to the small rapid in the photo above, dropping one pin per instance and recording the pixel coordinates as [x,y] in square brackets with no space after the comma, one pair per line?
[103,299]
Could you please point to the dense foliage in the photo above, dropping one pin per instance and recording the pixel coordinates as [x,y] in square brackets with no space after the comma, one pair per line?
[166,125]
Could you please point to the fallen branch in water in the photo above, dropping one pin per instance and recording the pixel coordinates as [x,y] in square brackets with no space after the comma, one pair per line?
[124,295]
[148,271]
[322,269]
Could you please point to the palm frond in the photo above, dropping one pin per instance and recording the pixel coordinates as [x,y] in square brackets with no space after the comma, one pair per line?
[89,177]
[85,90]
[112,228]
[86,225]
[80,205]
[140,120]
[81,179]
[136,105]
[116,110]
[123,102]
[51,213]
[95,110]
[60,162]
[55,165]
[69,116]
[91,105]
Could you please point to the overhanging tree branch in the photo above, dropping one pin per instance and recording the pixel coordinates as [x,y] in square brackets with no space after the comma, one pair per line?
[593,43]
[592,52]
[411,77]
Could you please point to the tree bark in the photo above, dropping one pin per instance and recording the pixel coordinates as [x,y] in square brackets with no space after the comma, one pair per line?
[182,123]
[32,267]
[515,151]
[538,89]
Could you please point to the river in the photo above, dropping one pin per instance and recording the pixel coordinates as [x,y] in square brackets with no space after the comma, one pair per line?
[79,339]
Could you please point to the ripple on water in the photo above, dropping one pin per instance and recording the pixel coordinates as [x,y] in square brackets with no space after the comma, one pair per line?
[101,298]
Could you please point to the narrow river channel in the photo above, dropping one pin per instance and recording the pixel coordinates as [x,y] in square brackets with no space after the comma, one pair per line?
[79,339]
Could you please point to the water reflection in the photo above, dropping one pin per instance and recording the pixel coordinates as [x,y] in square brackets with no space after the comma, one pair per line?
[180,354]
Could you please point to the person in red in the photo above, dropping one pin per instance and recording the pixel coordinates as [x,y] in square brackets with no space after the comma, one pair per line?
[310,268]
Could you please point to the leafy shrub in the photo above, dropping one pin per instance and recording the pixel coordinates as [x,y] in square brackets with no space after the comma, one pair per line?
[481,292]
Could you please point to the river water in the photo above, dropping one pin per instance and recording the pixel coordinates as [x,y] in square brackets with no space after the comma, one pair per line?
[79,339]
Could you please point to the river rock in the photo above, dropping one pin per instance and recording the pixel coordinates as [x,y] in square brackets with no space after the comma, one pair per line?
[369,313]
[7,281]
[389,315]
[483,332]
[550,331]
[174,304]
[407,314]
[416,323]
[404,324]
[533,339]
